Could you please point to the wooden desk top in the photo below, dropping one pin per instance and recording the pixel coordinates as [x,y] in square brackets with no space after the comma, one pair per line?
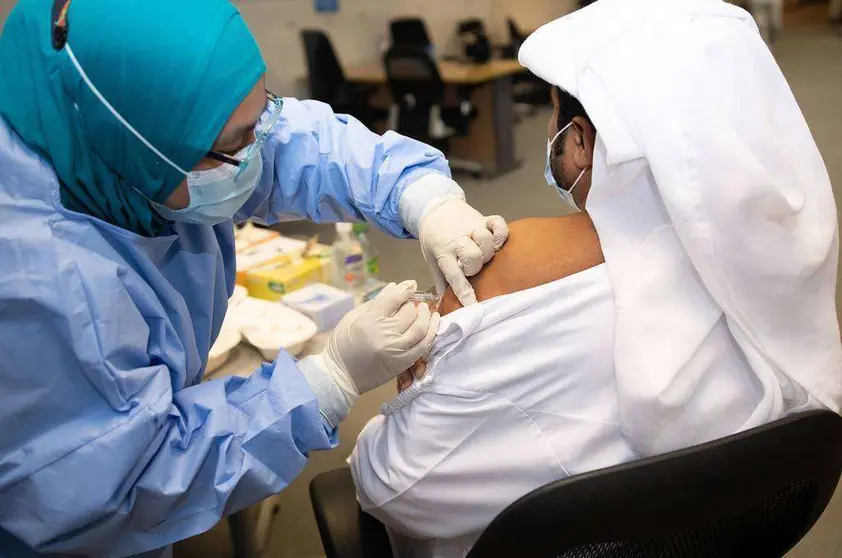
[454,73]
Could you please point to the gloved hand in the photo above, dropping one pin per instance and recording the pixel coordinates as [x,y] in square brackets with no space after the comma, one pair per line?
[377,341]
[456,240]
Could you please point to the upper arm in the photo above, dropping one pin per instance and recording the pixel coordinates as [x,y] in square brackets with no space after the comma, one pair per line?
[448,462]
[329,167]
[538,251]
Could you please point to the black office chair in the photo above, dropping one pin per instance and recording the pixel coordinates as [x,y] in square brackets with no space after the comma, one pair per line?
[475,42]
[471,25]
[409,31]
[328,84]
[753,494]
[418,94]
[515,36]
[529,89]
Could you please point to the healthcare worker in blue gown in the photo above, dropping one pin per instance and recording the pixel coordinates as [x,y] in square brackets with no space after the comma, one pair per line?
[133,135]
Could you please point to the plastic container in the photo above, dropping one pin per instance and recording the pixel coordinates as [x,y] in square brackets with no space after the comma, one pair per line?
[370,255]
[271,326]
[348,259]
[240,294]
[248,235]
[323,304]
[228,338]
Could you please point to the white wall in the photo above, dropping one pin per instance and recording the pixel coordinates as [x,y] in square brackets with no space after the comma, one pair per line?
[360,26]
[529,14]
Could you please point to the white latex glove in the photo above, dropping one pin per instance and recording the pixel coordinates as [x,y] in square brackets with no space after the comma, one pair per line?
[456,240]
[377,341]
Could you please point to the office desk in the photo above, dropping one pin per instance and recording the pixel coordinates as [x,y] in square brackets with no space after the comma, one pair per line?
[490,141]
[452,73]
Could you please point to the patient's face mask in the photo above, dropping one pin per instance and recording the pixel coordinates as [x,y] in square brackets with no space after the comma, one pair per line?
[566,195]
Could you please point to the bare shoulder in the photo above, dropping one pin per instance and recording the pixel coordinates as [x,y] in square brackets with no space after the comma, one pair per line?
[578,224]
[539,250]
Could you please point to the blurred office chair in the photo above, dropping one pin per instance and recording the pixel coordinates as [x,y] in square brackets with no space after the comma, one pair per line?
[475,42]
[409,31]
[327,81]
[516,37]
[418,93]
[530,90]
[471,25]
[756,493]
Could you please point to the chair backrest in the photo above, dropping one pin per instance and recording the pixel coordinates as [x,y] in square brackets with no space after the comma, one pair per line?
[473,25]
[413,76]
[755,493]
[476,45]
[325,76]
[409,31]
[515,35]
[415,85]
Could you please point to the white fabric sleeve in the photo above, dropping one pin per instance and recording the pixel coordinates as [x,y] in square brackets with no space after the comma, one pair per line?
[446,463]
[417,196]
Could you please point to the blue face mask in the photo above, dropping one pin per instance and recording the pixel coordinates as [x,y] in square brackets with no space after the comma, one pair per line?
[566,195]
[217,194]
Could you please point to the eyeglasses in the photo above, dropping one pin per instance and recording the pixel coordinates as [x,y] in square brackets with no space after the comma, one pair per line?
[264,127]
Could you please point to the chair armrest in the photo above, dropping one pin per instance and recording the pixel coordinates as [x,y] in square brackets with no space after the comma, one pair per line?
[346,531]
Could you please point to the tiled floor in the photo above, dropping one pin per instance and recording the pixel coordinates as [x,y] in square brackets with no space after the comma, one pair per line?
[812,61]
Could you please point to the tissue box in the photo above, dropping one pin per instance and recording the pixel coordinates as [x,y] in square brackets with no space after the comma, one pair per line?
[270,249]
[322,303]
[282,276]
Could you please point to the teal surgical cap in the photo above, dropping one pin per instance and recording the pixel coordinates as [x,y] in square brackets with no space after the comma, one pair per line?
[175,70]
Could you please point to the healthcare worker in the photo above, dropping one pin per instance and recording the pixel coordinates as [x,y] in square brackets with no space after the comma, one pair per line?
[132,136]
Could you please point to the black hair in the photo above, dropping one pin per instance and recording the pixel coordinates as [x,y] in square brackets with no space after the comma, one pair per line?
[569,107]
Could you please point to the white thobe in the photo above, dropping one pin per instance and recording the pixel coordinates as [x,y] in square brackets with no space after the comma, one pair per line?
[520,391]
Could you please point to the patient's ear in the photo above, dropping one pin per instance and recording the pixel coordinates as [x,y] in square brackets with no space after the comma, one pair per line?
[585,139]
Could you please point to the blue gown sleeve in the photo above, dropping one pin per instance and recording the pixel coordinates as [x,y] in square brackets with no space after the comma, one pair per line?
[103,455]
[325,167]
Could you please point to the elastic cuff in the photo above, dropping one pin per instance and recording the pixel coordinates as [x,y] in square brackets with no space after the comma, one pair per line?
[333,402]
[417,197]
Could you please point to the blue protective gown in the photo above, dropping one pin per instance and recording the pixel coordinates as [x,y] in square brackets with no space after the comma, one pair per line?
[111,444]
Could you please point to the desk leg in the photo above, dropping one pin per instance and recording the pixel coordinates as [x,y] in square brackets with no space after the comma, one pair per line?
[490,142]
[503,102]
[243,538]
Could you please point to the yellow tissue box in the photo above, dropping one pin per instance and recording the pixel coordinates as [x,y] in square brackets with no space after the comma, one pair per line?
[283,276]
[272,249]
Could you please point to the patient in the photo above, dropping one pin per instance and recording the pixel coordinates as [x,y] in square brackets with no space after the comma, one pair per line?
[719,231]
[518,391]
